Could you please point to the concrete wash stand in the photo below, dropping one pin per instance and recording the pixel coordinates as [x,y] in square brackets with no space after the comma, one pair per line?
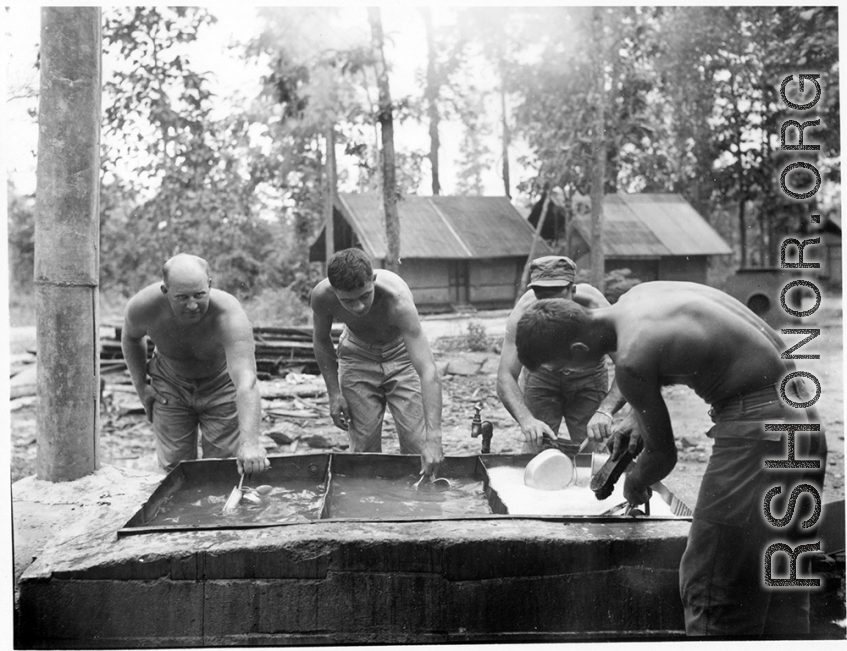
[354,582]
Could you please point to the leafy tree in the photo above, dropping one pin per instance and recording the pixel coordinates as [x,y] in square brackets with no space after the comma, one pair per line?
[21,234]
[500,34]
[191,185]
[385,118]
[722,68]
[475,155]
[431,95]
[446,88]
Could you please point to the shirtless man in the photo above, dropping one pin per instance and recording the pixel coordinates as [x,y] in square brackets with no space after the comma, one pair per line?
[383,357]
[581,397]
[663,333]
[203,370]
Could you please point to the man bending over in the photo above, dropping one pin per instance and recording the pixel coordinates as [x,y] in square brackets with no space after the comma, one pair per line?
[383,358]
[202,375]
[581,398]
[663,333]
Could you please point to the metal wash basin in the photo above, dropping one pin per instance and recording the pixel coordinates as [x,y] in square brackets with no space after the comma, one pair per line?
[316,488]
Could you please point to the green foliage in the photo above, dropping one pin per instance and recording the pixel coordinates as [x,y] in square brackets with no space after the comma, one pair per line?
[476,157]
[198,184]
[616,282]
[21,233]
[692,106]
[277,307]
[476,339]
[156,106]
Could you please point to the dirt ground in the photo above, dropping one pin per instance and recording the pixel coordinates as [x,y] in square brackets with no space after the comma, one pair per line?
[296,417]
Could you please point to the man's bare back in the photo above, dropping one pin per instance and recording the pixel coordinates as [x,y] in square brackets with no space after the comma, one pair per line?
[685,333]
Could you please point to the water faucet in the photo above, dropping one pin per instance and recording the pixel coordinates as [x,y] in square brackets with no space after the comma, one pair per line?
[484,428]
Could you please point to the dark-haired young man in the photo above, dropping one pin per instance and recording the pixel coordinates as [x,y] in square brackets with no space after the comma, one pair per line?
[581,398]
[383,358]
[663,333]
[202,375]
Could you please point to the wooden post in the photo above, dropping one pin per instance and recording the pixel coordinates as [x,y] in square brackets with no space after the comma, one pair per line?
[386,123]
[545,206]
[598,144]
[67,239]
[329,197]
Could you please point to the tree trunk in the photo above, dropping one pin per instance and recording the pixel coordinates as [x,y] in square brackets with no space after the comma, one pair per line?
[598,173]
[742,228]
[329,193]
[432,92]
[545,207]
[66,244]
[386,123]
[507,135]
[742,186]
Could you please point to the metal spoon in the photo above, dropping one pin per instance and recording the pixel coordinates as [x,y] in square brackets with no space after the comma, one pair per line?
[234,497]
[440,483]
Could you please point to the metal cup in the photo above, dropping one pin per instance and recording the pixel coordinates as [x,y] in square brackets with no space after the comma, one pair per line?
[598,460]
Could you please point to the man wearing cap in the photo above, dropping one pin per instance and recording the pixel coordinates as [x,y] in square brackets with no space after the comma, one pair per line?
[582,398]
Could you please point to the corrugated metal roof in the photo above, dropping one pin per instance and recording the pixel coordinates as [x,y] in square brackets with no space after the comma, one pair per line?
[677,225]
[653,225]
[443,227]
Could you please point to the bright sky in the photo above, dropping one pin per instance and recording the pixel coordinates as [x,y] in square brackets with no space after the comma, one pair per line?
[402,25]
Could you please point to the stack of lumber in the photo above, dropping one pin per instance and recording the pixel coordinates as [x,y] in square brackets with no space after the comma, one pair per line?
[279,350]
[286,349]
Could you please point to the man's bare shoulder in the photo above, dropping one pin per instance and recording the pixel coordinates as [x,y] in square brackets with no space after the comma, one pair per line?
[322,295]
[146,302]
[589,296]
[227,318]
[391,282]
[225,303]
[393,290]
[523,303]
[637,361]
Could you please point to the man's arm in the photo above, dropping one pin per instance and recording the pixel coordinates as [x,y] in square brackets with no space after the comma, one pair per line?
[421,355]
[240,350]
[134,347]
[327,358]
[643,391]
[509,392]
[600,425]
[589,296]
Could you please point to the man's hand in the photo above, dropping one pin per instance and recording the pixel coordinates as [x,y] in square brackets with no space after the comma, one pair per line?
[251,459]
[339,412]
[634,492]
[600,426]
[432,455]
[535,430]
[626,436]
[150,396]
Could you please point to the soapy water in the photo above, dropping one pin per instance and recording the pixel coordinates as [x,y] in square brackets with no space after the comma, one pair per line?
[377,498]
[350,497]
[298,501]
[575,500]
[380,498]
